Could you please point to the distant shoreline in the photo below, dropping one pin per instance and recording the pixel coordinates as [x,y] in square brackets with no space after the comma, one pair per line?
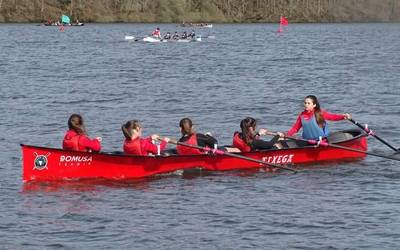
[215,23]
[216,11]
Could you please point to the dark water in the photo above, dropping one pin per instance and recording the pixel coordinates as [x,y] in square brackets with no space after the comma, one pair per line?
[45,75]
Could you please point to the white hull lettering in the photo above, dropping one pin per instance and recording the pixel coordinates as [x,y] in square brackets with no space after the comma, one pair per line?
[69,158]
[279,159]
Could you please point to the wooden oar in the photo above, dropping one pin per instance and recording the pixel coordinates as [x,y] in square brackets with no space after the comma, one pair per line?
[370,132]
[322,143]
[326,144]
[221,152]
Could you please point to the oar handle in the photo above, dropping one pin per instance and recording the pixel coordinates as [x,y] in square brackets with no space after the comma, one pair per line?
[271,133]
[172,141]
[206,149]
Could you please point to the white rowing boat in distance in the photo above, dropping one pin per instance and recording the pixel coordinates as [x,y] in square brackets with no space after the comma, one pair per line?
[151,39]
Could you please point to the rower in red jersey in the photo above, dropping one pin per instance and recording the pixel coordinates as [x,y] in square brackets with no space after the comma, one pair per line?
[249,139]
[189,136]
[76,138]
[136,145]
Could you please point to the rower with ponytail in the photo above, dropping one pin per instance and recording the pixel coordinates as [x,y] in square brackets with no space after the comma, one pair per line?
[189,136]
[136,145]
[313,120]
[249,139]
[76,138]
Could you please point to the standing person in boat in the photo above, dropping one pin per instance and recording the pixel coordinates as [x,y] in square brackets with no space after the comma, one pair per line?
[249,139]
[189,136]
[156,33]
[313,120]
[76,138]
[136,145]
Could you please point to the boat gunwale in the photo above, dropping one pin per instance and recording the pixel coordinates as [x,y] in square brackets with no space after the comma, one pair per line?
[121,154]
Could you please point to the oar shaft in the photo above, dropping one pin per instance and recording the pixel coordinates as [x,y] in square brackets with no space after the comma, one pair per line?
[220,152]
[386,143]
[362,151]
[344,148]
[368,131]
[357,124]
[258,161]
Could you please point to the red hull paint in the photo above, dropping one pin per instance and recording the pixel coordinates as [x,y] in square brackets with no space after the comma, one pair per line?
[46,164]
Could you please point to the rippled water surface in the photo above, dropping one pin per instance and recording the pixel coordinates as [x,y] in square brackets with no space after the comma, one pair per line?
[245,70]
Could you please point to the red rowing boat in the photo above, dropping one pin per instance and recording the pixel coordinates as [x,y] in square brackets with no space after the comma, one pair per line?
[47,164]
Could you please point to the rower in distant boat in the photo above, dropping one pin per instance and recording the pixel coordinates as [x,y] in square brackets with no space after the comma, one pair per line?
[136,145]
[189,136]
[175,36]
[167,36]
[249,139]
[156,33]
[65,20]
[48,22]
[77,23]
[184,35]
[313,120]
[76,138]
[192,35]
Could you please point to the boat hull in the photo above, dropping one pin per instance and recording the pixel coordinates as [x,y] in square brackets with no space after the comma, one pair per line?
[150,39]
[47,164]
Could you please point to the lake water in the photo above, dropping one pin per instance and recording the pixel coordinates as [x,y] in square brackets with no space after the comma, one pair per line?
[245,70]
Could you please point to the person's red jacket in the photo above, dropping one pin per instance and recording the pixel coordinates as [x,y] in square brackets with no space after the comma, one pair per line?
[80,142]
[185,150]
[307,115]
[142,146]
[239,143]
